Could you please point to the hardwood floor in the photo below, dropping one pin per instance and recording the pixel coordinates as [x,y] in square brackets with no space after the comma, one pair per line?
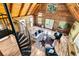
[9,47]
[36,51]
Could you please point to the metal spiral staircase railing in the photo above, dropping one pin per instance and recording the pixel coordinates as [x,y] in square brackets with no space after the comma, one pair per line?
[23,41]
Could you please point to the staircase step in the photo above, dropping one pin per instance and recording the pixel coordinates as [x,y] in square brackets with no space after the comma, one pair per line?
[26,41]
[26,48]
[19,35]
[25,45]
[26,53]
[23,39]
[20,38]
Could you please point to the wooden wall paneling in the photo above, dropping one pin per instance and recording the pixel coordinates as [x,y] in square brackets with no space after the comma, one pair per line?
[62,14]
[16,9]
[31,8]
[41,8]
[35,13]
[25,9]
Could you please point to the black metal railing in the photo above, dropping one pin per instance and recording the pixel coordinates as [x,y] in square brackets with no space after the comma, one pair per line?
[23,42]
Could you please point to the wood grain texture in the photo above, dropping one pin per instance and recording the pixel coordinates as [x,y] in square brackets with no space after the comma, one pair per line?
[31,8]
[16,9]
[25,9]
[9,47]
[62,14]
[74,9]
[2,9]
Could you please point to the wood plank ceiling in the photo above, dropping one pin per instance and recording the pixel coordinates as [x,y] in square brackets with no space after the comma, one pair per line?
[74,9]
[23,9]
[20,9]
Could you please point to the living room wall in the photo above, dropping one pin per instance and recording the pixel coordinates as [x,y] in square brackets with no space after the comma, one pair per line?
[62,14]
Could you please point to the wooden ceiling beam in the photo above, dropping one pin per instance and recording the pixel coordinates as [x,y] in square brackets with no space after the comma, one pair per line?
[35,9]
[31,8]
[19,9]
[28,9]
[25,9]
[10,7]
[22,6]
[12,17]
[39,8]
[16,9]
[74,9]
[2,10]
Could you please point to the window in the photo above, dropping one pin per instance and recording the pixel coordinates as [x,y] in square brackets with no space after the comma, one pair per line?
[49,23]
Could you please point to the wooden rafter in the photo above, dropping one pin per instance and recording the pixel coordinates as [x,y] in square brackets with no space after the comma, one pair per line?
[74,10]
[32,7]
[22,6]
[28,9]
[2,9]
[10,7]
[25,9]
[20,9]
[16,9]
[35,9]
